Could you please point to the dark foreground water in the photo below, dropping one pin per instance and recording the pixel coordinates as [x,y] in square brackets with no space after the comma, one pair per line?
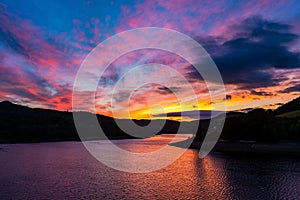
[66,170]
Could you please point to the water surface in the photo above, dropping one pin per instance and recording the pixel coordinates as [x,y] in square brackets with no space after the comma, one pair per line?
[66,170]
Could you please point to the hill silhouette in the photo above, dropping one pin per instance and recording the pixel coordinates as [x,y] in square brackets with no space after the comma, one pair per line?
[289,107]
[261,125]
[256,132]
[24,124]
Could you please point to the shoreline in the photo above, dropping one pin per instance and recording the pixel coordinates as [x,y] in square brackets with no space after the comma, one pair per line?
[33,141]
[60,140]
[223,146]
[247,147]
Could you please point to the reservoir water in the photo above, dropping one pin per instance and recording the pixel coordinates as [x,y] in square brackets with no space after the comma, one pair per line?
[65,170]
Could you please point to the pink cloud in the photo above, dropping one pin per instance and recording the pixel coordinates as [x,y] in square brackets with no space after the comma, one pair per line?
[34,67]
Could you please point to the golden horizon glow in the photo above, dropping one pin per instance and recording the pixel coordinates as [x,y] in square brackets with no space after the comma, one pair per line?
[237,103]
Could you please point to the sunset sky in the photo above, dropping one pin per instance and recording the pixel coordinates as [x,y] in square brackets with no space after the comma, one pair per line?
[254,44]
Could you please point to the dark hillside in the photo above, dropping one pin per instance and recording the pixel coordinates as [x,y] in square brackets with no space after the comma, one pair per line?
[288,107]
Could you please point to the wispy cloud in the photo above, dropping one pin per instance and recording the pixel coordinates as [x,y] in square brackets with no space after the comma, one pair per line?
[256,49]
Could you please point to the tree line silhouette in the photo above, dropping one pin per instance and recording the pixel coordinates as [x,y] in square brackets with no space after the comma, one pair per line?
[24,124]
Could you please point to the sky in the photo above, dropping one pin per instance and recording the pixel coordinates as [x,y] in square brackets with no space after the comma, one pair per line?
[254,44]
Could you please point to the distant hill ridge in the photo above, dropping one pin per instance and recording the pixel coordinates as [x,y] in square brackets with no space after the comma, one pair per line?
[23,124]
[288,107]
